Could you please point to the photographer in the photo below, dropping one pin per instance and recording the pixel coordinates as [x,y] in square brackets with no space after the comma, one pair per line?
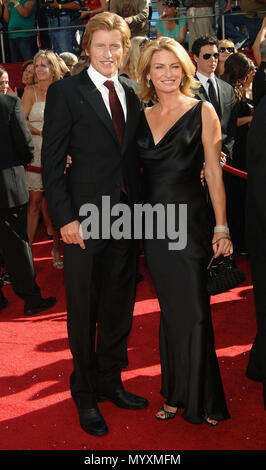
[200,20]
[63,14]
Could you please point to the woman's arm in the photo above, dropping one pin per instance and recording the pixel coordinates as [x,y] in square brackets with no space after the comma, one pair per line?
[6,8]
[183,33]
[27,101]
[258,40]
[25,10]
[241,121]
[212,143]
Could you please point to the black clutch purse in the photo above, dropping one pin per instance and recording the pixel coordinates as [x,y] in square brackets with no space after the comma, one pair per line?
[223,275]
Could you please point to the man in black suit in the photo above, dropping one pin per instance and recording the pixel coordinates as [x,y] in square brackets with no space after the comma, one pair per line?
[256,233]
[93,118]
[16,152]
[218,92]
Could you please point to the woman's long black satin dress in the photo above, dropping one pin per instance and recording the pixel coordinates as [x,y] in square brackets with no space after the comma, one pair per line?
[171,175]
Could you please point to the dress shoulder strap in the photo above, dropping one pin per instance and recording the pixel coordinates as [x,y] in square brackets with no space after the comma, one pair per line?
[35,93]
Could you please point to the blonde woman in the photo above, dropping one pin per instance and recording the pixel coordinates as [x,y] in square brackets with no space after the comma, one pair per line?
[46,71]
[176,136]
[225,48]
[130,62]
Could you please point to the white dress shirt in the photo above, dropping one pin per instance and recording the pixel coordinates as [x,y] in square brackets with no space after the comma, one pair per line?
[99,79]
[204,80]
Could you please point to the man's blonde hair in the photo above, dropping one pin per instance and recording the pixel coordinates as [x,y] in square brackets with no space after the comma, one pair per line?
[189,84]
[107,21]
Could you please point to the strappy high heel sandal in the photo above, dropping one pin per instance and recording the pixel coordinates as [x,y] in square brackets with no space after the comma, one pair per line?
[210,421]
[165,414]
[57,261]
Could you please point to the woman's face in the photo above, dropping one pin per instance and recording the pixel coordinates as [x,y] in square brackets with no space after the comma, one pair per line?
[225,50]
[249,78]
[27,76]
[42,69]
[166,72]
[4,83]
[169,11]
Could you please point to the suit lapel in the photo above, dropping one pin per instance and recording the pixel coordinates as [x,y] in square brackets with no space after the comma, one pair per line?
[91,94]
[131,117]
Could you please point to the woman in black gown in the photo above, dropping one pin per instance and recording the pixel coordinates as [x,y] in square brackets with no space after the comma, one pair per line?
[237,72]
[176,136]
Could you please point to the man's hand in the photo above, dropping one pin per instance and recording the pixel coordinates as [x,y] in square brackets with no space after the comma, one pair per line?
[54,4]
[71,234]
[12,92]
[129,19]
[223,157]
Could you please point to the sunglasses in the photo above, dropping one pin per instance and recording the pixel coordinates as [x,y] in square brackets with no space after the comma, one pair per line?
[228,49]
[208,56]
[145,41]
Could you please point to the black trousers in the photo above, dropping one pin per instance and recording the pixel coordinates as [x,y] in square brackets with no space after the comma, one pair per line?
[256,369]
[100,286]
[17,253]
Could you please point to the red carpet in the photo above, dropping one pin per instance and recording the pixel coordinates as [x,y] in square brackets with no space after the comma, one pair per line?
[38,413]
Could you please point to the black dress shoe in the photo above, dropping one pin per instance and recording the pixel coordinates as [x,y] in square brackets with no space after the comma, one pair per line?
[124,399]
[3,301]
[91,421]
[43,304]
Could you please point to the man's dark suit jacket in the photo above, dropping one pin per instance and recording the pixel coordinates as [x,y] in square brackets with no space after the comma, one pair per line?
[256,194]
[88,136]
[228,114]
[259,84]
[16,152]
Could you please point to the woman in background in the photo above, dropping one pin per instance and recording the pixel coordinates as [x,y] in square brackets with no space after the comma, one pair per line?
[225,48]
[27,76]
[129,64]
[46,71]
[239,73]
[173,28]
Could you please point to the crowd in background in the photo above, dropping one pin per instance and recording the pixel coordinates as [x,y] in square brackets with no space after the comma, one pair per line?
[57,53]
[225,75]
[175,19]
[61,24]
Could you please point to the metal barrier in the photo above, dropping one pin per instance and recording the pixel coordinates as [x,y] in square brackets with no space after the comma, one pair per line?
[152,20]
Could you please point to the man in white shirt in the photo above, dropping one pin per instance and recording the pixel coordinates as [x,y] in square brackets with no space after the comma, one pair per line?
[93,117]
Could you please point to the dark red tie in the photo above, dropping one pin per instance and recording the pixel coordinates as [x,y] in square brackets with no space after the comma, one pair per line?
[118,117]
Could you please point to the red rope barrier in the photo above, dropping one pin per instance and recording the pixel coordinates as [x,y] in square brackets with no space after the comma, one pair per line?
[34,169]
[235,171]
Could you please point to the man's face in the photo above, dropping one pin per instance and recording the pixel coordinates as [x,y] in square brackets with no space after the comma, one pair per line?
[106,51]
[4,84]
[207,60]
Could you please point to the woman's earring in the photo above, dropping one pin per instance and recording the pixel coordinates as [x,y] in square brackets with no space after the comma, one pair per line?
[148,83]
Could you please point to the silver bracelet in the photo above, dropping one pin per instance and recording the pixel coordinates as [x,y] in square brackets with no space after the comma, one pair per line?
[221,228]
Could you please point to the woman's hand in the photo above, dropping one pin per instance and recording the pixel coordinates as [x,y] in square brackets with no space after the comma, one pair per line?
[12,92]
[222,244]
